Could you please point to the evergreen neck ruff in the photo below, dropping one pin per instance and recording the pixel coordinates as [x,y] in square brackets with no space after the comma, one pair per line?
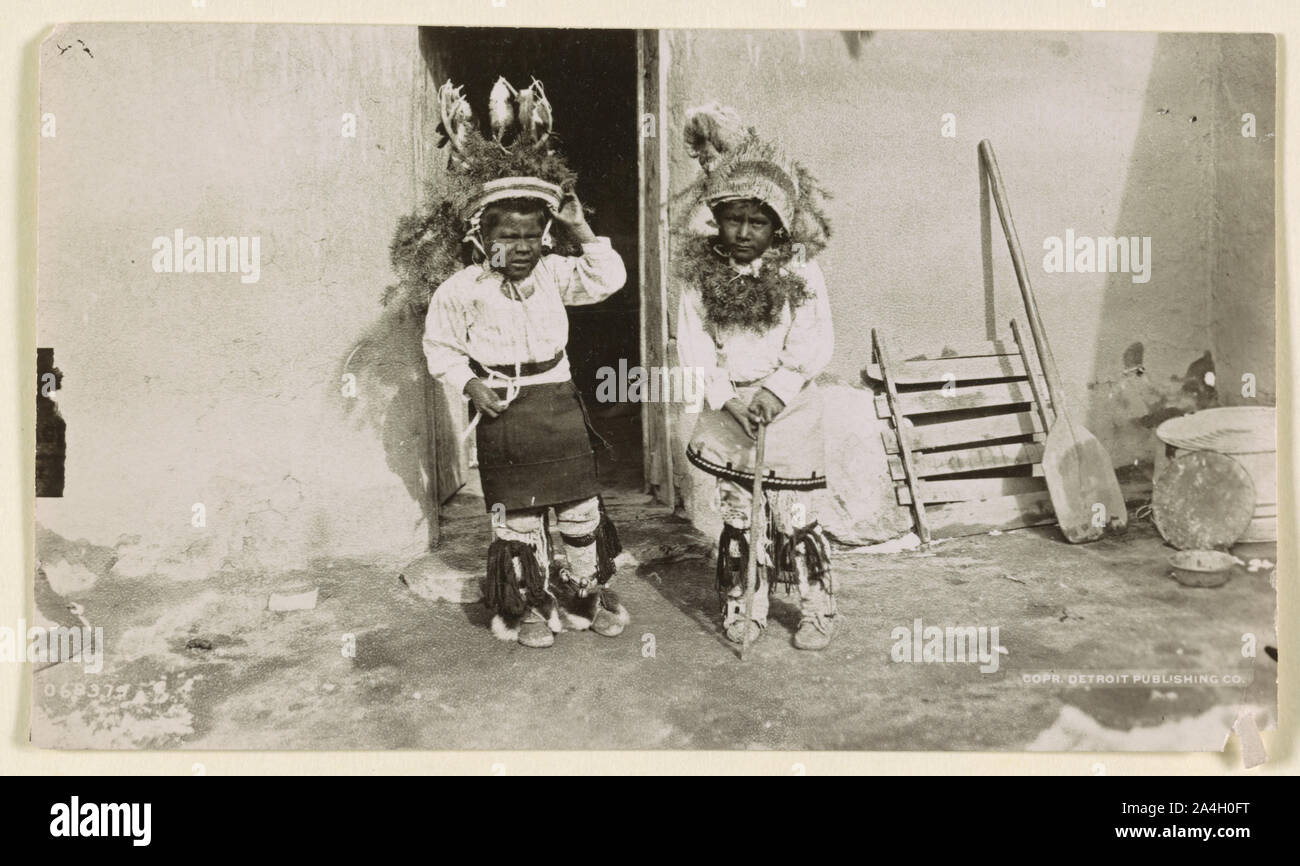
[742,300]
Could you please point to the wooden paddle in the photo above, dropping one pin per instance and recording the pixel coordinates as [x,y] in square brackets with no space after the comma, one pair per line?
[757,535]
[1080,477]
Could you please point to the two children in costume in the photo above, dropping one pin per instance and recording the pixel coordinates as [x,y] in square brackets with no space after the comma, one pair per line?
[753,319]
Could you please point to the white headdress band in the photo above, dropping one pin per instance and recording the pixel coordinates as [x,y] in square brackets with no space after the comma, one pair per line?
[508,188]
[513,187]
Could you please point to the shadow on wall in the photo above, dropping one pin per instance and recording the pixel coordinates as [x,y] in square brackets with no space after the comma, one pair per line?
[1188,140]
[385,367]
[1196,196]
[1168,200]
[386,362]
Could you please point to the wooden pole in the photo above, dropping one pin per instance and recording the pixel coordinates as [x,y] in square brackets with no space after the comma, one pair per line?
[1054,389]
[757,535]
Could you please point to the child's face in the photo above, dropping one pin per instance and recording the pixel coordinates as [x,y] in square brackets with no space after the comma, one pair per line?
[744,229]
[514,243]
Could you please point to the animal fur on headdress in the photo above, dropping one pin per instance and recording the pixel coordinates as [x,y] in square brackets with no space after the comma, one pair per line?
[429,246]
[711,131]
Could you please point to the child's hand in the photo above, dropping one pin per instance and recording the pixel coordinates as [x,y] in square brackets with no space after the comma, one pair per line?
[765,406]
[571,216]
[484,398]
[737,409]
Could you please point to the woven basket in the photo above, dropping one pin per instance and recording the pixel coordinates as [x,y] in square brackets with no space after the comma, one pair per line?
[1248,434]
[1228,430]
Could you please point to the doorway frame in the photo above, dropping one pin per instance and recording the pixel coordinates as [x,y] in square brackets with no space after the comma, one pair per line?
[656,350]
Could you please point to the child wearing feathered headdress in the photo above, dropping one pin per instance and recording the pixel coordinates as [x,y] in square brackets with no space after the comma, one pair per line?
[496,331]
[754,321]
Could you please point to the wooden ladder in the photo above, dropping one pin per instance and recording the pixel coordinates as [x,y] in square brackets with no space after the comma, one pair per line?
[969,423]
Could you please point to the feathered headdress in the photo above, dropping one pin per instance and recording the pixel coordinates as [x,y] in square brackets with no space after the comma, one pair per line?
[738,164]
[517,161]
[514,158]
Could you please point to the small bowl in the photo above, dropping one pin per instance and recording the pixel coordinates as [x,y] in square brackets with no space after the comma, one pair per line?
[1202,568]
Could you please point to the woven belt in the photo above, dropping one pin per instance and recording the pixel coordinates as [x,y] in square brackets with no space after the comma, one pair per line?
[529,368]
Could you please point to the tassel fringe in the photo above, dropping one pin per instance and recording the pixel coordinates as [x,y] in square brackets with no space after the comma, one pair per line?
[806,543]
[785,551]
[608,546]
[510,591]
[731,567]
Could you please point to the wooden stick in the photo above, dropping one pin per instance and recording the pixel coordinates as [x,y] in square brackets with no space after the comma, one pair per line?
[1033,377]
[757,535]
[1054,389]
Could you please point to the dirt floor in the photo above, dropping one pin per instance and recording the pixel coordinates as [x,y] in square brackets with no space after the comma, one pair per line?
[204,664]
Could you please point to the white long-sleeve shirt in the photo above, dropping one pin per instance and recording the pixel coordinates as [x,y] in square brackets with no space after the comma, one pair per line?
[471,316]
[781,359]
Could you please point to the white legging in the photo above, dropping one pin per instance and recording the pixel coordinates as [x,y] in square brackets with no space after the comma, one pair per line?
[790,510]
[574,520]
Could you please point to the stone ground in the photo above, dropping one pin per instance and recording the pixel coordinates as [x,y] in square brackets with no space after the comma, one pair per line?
[204,664]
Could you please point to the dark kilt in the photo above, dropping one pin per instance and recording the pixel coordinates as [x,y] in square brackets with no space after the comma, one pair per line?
[537,452]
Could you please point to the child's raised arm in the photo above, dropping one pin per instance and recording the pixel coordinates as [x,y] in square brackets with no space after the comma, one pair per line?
[596,274]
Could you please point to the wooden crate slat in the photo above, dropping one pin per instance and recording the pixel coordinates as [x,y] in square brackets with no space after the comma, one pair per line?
[948,507]
[1006,512]
[951,370]
[1001,513]
[1003,345]
[1037,384]
[970,430]
[972,459]
[958,397]
[904,453]
[967,489]
[897,474]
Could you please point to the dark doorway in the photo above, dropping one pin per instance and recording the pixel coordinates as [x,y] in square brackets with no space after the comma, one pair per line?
[591,81]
